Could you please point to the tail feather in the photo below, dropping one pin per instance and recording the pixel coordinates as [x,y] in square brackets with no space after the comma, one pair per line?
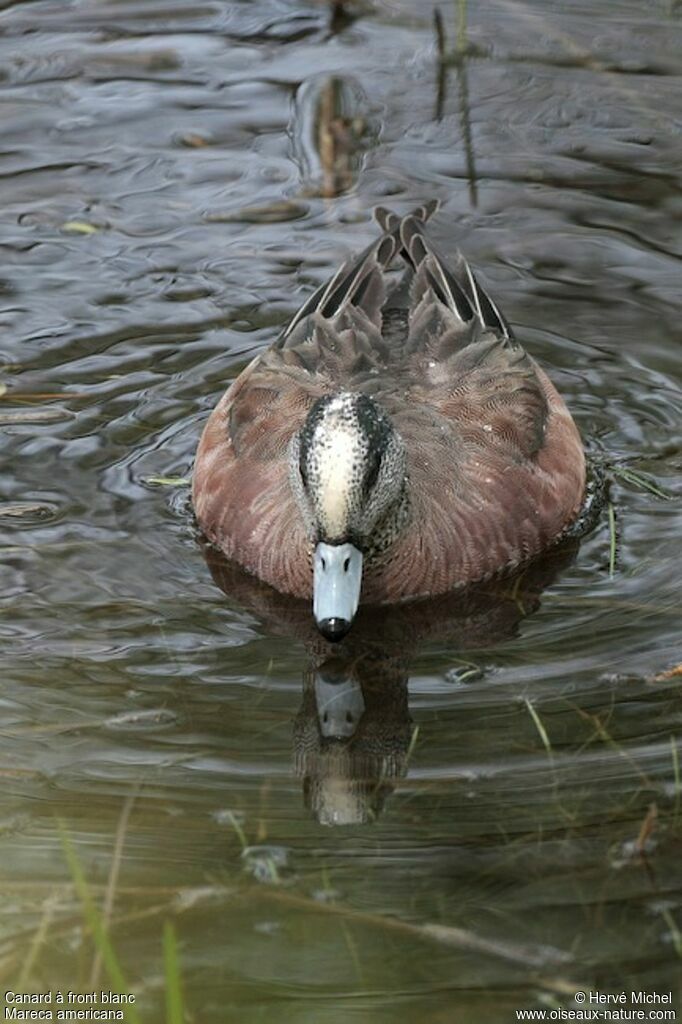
[453,284]
[359,282]
[391,223]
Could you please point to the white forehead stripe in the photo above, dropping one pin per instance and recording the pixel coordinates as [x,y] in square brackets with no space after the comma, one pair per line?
[337,461]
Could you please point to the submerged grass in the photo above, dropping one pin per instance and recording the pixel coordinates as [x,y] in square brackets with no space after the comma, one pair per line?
[601,732]
[112,882]
[413,743]
[532,958]
[613,541]
[678,781]
[98,924]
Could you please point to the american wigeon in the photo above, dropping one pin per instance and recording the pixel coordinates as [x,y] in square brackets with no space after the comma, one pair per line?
[395,442]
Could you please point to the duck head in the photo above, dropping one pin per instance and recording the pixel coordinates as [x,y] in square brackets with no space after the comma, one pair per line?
[348,471]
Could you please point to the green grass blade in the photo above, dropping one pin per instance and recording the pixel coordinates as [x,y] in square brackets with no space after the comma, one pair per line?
[239,831]
[462,25]
[94,921]
[537,721]
[674,931]
[174,1008]
[37,943]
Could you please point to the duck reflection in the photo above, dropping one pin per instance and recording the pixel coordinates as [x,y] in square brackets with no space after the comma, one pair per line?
[353,731]
[352,735]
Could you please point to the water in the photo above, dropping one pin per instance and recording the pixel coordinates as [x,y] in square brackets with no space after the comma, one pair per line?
[176,178]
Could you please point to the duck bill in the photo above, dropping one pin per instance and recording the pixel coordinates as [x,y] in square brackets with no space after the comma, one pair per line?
[340,704]
[337,579]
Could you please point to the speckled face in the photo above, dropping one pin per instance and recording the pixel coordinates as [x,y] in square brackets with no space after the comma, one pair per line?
[349,471]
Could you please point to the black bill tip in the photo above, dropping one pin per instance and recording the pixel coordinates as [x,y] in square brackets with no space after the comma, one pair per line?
[334,629]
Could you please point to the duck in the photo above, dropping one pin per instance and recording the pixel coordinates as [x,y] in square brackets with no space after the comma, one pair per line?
[395,442]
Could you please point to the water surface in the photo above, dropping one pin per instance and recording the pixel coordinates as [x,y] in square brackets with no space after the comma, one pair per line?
[176,179]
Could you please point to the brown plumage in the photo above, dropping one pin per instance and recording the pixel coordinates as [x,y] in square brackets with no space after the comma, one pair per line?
[495,470]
